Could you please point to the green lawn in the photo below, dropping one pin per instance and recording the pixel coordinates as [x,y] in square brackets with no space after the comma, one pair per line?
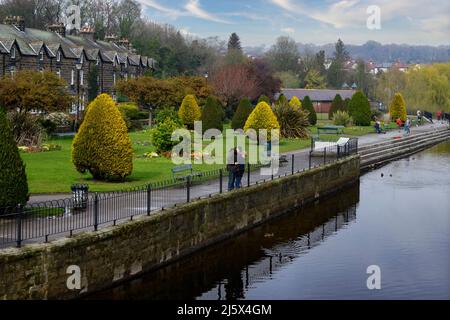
[53,172]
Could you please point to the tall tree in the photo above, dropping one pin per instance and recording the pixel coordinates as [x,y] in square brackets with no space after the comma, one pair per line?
[336,72]
[234,43]
[284,55]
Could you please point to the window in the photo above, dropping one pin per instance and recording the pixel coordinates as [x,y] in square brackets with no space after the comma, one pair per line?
[114,78]
[41,55]
[72,78]
[13,71]
[13,53]
[58,56]
[82,59]
[81,77]
[58,73]
[97,62]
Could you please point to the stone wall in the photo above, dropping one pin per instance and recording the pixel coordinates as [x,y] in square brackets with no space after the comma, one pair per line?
[119,253]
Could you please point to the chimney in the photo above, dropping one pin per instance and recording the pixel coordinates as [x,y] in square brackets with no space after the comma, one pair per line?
[17,21]
[88,32]
[124,43]
[58,28]
[110,38]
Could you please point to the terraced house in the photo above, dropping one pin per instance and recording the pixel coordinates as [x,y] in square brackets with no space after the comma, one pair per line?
[74,58]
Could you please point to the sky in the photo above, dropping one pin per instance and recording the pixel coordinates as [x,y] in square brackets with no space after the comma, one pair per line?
[259,22]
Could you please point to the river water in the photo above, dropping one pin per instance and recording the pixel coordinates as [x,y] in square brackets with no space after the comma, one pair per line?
[397,218]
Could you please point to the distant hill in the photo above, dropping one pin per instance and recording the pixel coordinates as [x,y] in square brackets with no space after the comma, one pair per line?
[376,51]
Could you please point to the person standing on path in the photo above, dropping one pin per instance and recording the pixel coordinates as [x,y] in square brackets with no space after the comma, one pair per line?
[232,168]
[408,126]
[419,118]
[240,167]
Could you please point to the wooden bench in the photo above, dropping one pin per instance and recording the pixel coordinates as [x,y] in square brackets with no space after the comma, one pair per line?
[331,130]
[185,171]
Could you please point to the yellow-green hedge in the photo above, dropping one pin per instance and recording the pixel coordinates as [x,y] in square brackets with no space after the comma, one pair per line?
[102,145]
[262,117]
[189,111]
[397,108]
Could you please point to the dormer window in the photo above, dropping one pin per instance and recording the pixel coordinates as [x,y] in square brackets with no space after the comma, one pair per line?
[41,55]
[97,61]
[13,53]
[58,56]
[72,77]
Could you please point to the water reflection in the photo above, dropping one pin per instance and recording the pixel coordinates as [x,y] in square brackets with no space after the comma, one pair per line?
[228,269]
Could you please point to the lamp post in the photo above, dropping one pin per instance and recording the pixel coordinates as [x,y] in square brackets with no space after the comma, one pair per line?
[78,65]
[206,77]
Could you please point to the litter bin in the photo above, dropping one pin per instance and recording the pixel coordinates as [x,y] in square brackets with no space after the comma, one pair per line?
[80,196]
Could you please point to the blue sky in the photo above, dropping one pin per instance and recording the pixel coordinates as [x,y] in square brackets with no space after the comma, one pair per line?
[262,21]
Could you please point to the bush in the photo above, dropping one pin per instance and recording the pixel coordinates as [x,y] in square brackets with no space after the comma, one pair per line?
[282,99]
[54,120]
[212,115]
[162,135]
[342,118]
[262,117]
[27,131]
[359,109]
[102,145]
[168,113]
[129,111]
[244,109]
[295,103]
[308,106]
[265,99]
[293,121]
[397,108]
[189,111]
[13,179]
[337,105]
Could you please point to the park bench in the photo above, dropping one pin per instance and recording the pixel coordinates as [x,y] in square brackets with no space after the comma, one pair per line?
[184,172]
[330,130]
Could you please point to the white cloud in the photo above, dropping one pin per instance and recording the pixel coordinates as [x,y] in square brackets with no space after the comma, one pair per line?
[193,7]
[288,30]
[174,13]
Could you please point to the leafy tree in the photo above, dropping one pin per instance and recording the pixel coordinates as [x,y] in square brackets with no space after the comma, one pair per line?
[359,109]
[162,135]
[284,55]
[262,117]
[314,80]
[336,104]
[212,115]
[267,83]
[234,43]
[397,108]
[336,72]
[13,179]
[189,111]
[308,106]
[264,98]
[242,113]
[288,79]
[168,112]
[102,145]
[295,103]
[293,120]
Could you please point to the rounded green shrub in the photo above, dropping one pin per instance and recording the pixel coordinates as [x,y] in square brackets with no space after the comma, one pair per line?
[336,105]
[308,106]
[189,111]
[13,179]
[244,109]
[359,109]
[162,135]
[168,112]
[102,145]
[397,108]
[212,115]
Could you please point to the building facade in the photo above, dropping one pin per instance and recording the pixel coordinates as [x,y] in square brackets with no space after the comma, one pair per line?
[73,58]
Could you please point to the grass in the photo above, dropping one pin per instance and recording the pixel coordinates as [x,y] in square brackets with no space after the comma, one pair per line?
[53,172]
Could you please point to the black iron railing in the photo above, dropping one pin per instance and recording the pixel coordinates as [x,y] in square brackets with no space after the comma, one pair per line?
[40,222]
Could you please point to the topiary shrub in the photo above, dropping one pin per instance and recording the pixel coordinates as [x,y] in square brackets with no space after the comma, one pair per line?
[295,103]
[359,109]
[282,99]
[397,108]
[13,179]
[168,113]
[293,121]
[264,98]
[189,111]
[212,115]
[162,135]
[102,145]
[308,106]
[262,117]
[244,109]
[342,118]
[337,105]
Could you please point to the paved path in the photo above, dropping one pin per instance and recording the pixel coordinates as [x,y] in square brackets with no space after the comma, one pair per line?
[117,207]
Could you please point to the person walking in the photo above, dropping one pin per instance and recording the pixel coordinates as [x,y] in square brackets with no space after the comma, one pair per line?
[232,168]
[240,170]
[419,118]
[408,126]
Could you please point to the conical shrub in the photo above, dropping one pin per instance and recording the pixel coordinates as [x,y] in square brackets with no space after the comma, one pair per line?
[212,115]
[244,109]
[308,106]
[295,103]
[189,111]
[13,179]
[264,98]
[359,109]
[336,105]
[102,145]
[262,117]
[397,108]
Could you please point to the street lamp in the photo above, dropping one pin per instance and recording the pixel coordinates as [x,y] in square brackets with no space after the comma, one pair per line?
[78,65]
[206,77]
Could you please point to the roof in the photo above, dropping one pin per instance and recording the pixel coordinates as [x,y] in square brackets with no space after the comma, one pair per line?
[32,40]
[317,94]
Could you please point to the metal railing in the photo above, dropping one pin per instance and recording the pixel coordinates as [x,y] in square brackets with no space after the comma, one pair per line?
[39,222]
